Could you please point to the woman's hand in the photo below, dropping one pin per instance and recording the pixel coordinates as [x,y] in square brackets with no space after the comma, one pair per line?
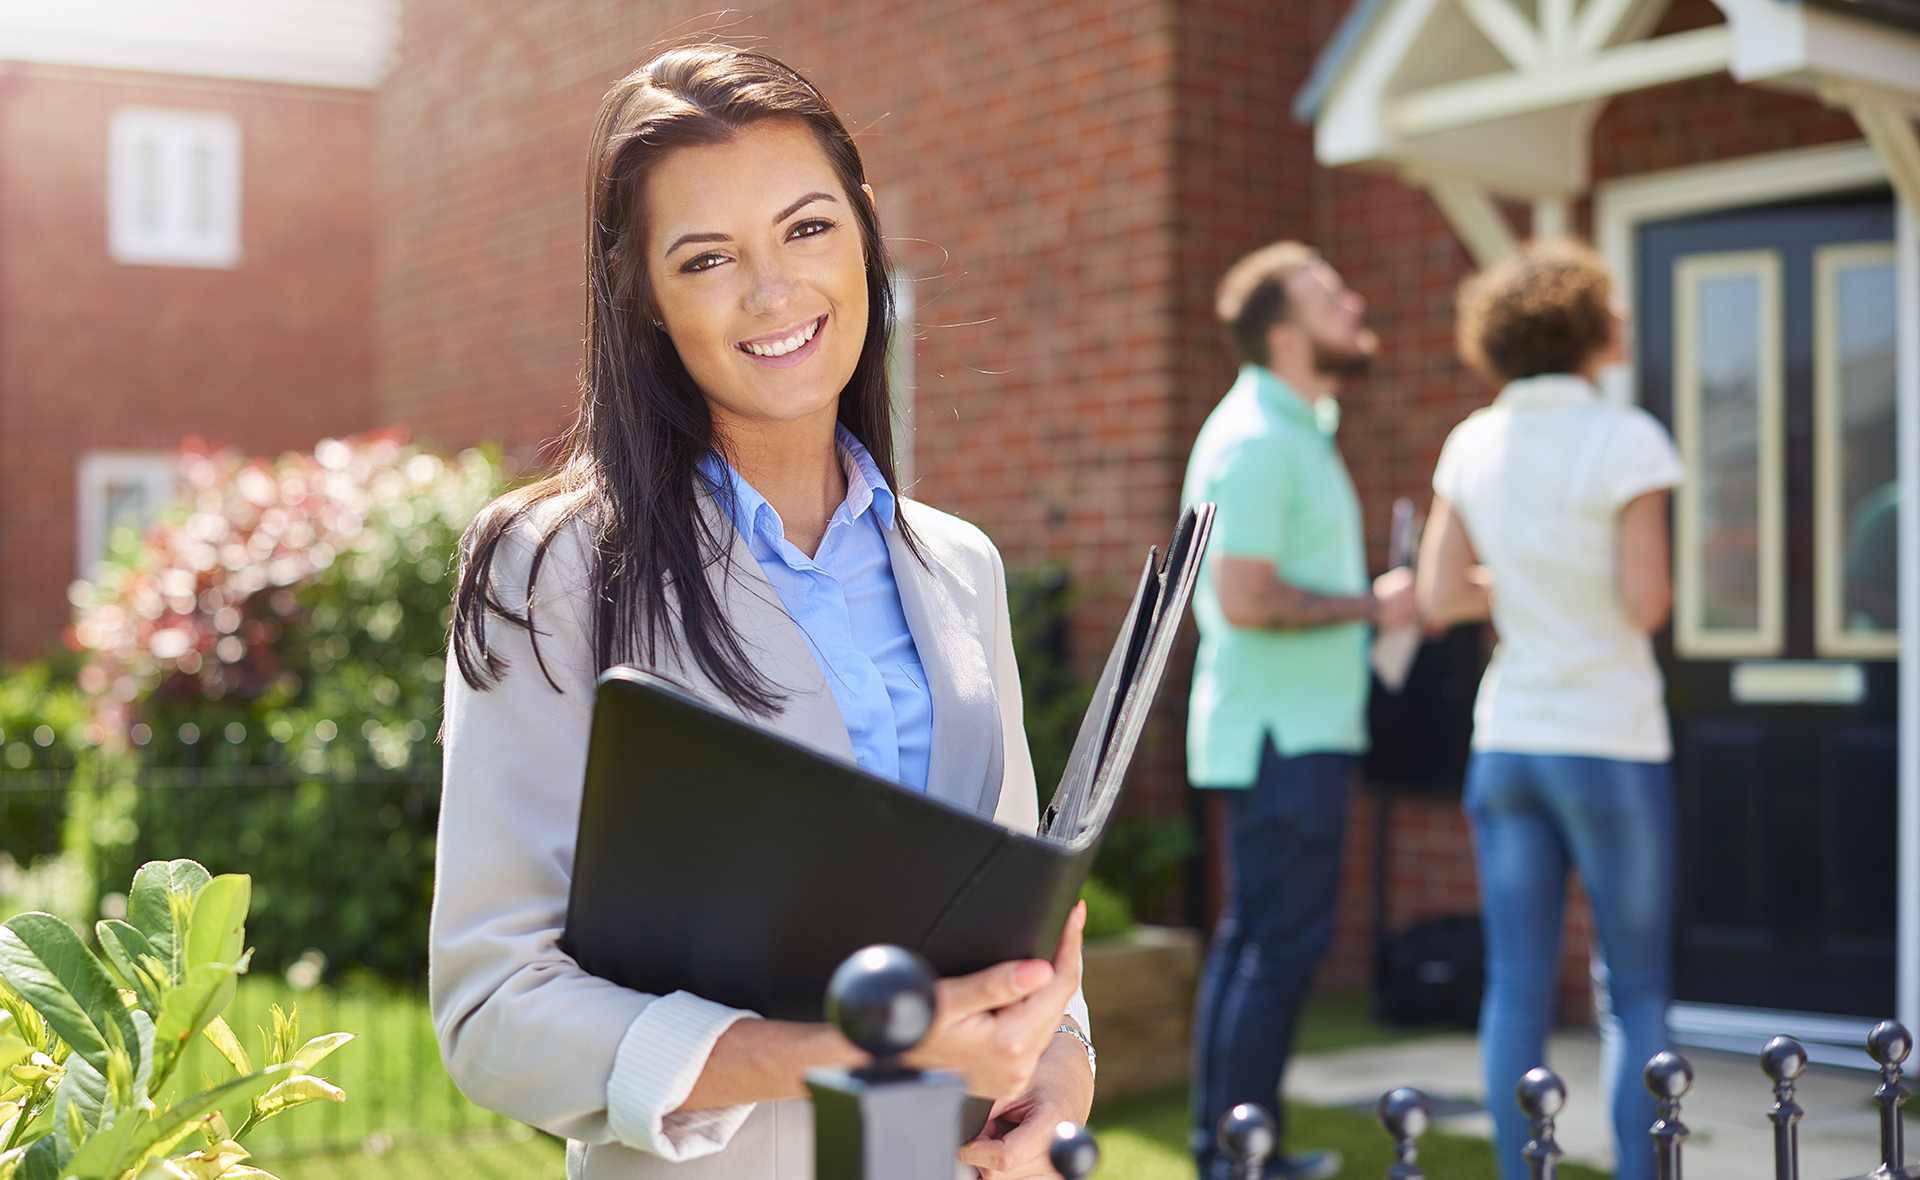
[991,1027]
[1019,1133]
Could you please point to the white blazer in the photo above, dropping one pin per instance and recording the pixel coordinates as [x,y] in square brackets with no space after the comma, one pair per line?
[523,1029]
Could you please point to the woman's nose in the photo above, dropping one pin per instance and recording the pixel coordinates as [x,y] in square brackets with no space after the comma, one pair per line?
[770,290]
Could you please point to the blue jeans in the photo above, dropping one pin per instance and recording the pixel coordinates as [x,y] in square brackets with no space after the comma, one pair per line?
[1533,816]
[1277,923]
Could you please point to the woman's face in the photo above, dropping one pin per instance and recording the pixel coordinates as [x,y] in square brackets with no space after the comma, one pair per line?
[758,270]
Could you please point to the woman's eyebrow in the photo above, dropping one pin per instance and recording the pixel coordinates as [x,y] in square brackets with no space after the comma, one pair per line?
[789,211]
[800,204]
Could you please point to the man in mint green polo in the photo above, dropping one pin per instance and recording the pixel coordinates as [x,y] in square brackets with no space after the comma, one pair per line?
[1278,714]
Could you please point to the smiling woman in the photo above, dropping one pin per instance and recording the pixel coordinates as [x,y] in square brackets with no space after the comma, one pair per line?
[723,513]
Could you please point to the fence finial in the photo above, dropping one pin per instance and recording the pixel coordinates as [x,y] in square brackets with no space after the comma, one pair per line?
[1406,1114]
[1074,1154]
[1783,1060]
[1541,1094]
[1668,1076]
[1888,1044]
[885,1119]
[1248,1135]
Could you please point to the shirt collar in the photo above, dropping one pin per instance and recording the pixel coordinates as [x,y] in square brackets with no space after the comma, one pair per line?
[1546,391]
[752,515]
[1322,416]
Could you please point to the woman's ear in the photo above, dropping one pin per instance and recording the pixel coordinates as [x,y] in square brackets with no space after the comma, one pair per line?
[868,189]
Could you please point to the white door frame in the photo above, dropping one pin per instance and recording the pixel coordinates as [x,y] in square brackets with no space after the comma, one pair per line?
[1619,208]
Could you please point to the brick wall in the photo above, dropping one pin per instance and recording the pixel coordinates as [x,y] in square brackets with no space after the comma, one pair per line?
[269,355]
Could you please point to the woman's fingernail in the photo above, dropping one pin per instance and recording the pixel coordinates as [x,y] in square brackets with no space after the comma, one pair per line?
[1032,973]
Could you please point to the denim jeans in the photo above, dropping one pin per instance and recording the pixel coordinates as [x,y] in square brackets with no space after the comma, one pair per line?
[1277,923]
[1533,816]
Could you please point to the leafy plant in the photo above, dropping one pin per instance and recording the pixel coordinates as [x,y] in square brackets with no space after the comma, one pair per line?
[89,1046]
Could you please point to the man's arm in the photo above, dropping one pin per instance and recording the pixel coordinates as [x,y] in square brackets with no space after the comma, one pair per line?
[1253,596]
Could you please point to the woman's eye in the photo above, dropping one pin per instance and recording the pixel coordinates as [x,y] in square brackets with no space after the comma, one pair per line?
[703,262]
[811,228]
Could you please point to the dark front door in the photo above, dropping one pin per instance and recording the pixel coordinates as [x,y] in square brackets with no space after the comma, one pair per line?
[1767,346]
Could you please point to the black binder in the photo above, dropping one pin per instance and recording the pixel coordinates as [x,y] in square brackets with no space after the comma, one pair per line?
[722,859]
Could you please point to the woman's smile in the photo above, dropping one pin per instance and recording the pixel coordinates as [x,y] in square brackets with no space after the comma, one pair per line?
[785,349]
[760,276]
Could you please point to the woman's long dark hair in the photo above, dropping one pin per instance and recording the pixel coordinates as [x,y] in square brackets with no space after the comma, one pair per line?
[629,464]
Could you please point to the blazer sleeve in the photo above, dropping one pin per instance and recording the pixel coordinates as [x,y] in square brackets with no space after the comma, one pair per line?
[523,1029]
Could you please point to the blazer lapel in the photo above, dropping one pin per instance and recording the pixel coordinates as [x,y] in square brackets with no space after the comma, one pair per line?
[943,611]
[774,645]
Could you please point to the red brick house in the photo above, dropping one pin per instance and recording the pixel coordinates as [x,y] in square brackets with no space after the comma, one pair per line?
[1063,183]
[185,248]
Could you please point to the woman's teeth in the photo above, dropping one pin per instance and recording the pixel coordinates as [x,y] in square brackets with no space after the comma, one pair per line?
[783,347]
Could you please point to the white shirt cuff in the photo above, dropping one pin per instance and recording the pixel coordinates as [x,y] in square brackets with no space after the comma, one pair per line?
[659,1060]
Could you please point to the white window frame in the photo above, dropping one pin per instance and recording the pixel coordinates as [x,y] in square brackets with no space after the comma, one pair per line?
[157,472]
[1691,638]
[900,374]
[1831,636]
[150,188]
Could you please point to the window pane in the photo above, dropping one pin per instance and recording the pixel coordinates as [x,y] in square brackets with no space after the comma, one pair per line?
[146,184]
[1729,452]
[1864,300]
[200,189]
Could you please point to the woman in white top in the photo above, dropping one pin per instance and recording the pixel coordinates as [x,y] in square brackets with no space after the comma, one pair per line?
[1549,516]
[723,511]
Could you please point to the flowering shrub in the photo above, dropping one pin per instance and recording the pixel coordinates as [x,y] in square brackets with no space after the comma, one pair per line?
[287,615]
[288,612]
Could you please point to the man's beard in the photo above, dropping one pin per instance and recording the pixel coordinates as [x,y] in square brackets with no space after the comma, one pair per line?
[1343,362]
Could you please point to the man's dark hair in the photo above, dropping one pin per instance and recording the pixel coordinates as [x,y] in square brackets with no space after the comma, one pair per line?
[1252,296]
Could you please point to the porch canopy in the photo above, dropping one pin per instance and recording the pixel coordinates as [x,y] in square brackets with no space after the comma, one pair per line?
[1477,99]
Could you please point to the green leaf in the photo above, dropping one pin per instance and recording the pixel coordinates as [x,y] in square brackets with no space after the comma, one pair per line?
[316,1050]
[187,1009]
[221,1034]
[295,1092]
[13,1051]
[43,1160]
[217,932]
[83,1093]
[157,905]
[124,946]
[46,963]
[114,1152]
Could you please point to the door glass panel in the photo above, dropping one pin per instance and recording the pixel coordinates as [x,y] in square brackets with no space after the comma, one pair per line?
[1728,513]
[1856,495]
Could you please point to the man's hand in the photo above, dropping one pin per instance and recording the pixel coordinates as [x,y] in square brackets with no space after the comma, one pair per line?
[1019,1133]
[1393,600]
[993,1026]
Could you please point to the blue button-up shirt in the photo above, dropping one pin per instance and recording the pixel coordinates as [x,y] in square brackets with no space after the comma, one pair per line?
[847,605]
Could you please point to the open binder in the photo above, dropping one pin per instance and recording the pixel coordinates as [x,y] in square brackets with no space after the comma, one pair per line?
[725,860]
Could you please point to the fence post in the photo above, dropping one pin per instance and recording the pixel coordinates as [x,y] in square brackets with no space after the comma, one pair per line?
[1888,1044]
[1668,1076]
[1541,1094]
[884,1121]
[1783,1060]
[1248,1135]
[1074,1153]
[1405,1113]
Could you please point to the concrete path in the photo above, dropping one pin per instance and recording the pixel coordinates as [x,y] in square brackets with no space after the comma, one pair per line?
[1725,1111]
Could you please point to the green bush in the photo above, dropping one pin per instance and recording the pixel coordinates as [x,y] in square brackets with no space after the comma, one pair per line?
[265,666]
[90,1045]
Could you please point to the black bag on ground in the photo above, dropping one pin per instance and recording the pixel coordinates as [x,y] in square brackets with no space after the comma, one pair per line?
[1432,973]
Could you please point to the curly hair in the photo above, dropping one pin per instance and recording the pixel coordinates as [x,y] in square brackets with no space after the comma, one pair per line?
[1544,310]
[1252,296]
